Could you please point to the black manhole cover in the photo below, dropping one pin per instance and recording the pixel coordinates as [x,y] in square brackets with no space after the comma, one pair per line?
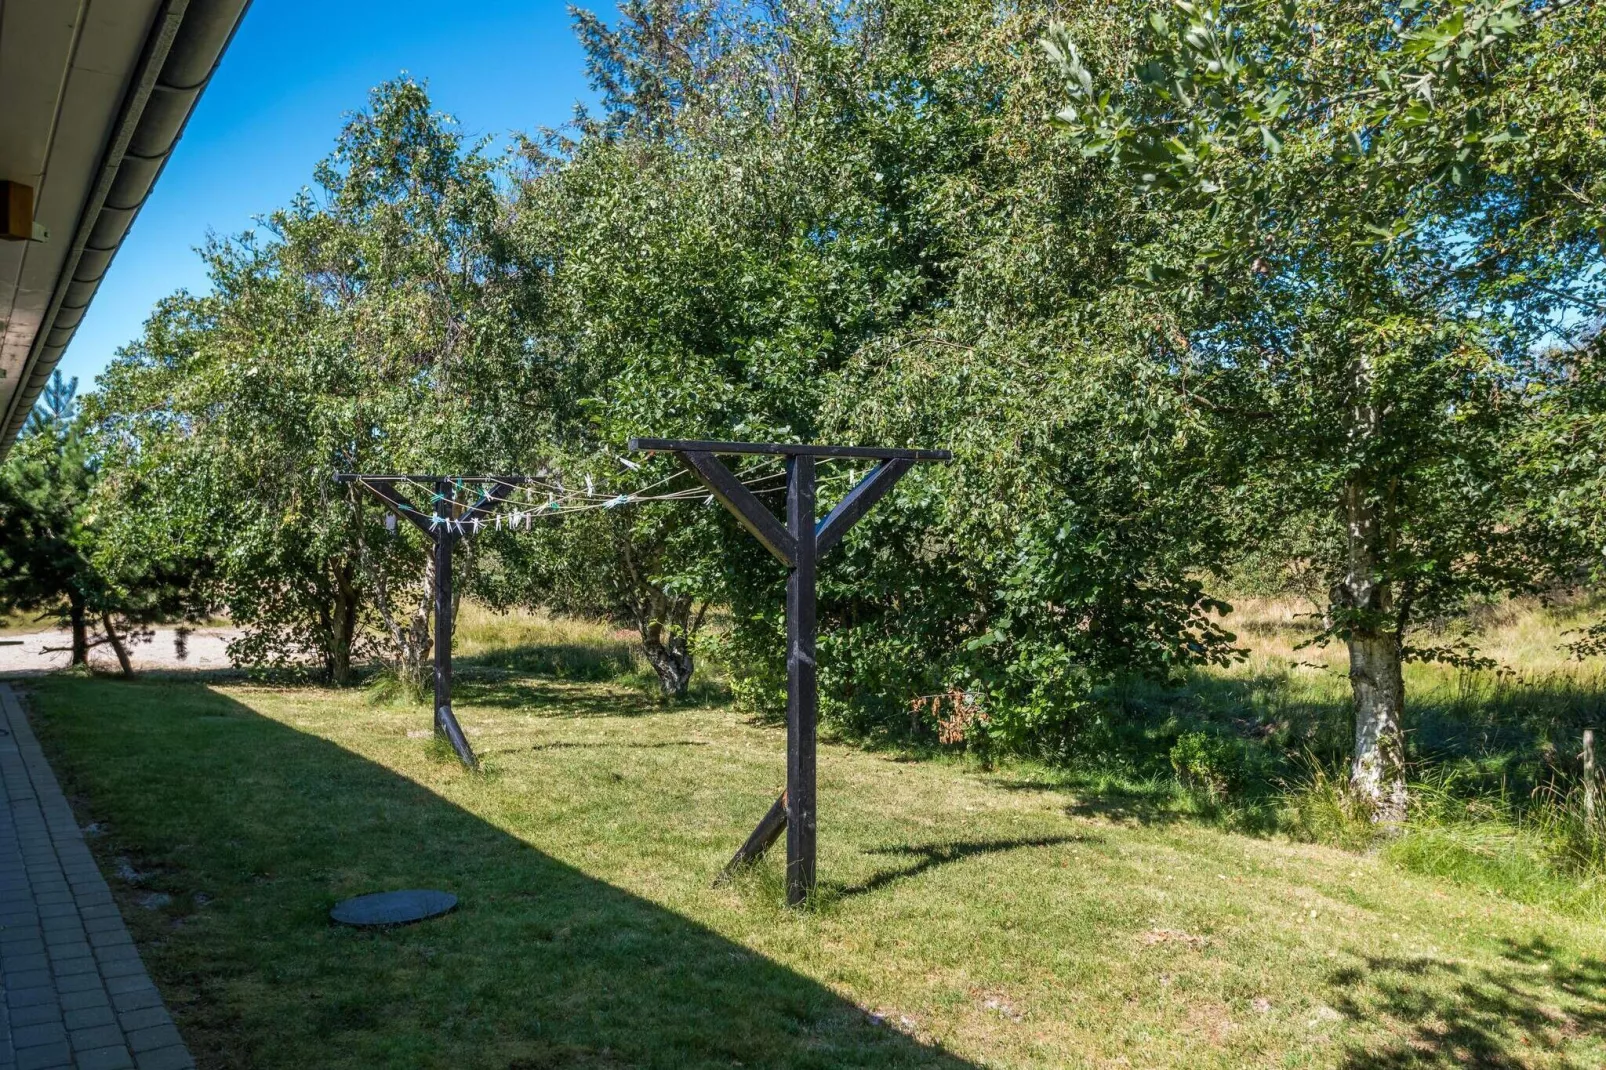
[392,908]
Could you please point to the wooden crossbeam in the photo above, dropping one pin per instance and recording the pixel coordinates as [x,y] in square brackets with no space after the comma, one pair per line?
[784,449]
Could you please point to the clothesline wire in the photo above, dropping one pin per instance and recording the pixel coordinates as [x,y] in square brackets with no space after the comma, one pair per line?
[593,499]
[559,504]
[557,492]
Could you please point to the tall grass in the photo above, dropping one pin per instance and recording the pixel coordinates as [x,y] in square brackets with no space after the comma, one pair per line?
[1496,799]
[491,643]
[565,648]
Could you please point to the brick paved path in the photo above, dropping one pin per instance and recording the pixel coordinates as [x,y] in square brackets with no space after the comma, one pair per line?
[73,992]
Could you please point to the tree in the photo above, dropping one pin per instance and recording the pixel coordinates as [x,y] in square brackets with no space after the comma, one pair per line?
[1562,462]
[57,407]
[59,553]
[803,222]
[676,303]
[1357,244]
[43,487]
[376,328]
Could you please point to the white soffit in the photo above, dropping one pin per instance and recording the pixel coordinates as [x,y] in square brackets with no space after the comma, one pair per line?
[93,96]
[64,67]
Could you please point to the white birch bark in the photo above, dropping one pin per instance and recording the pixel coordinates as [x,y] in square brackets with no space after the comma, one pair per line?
[1377,686]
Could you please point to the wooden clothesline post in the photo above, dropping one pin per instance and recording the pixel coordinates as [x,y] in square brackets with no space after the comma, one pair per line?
[444,525]
[798,544]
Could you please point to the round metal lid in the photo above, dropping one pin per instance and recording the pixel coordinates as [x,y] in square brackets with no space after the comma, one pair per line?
[382,909]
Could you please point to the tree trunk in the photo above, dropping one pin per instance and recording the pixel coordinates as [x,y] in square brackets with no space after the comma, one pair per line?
[1377,687]
[342,627]
[118,646]
[672,662]
[1377,774]
[666,627]
[79,618]
[410,637]
[418,645]
[1591,778]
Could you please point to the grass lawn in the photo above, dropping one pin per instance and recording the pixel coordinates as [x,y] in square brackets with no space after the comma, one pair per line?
[967,919]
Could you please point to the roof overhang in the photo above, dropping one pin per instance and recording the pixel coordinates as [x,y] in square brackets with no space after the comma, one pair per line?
[96,95]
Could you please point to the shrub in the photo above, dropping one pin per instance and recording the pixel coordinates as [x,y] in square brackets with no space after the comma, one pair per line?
[1210,762]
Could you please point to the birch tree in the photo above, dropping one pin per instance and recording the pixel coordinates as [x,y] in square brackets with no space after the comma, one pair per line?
[1361,245]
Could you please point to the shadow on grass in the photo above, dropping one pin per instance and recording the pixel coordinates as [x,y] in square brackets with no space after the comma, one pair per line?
[255,830]
[660,745]
[929,856]
[1120,806]
[1447,1013]
[1130,809]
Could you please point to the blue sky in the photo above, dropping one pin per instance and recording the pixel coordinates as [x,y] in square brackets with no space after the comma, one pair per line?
[276,103]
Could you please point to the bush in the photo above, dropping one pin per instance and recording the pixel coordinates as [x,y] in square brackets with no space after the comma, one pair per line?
[1209,762]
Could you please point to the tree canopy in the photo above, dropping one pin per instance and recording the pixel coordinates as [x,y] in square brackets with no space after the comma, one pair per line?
[1309,283]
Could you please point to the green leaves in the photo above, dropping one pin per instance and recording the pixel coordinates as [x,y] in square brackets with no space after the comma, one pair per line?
[378,327]
[1357,233]
[65,540]
[1244,107]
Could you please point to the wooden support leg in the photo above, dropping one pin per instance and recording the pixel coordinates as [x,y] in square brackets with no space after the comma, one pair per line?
[445,721]
[446,724]
[802,697]
[768,831]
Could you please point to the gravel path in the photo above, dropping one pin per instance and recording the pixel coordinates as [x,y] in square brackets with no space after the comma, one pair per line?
[205,651]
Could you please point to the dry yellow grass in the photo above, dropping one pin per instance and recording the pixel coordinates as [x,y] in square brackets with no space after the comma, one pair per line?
[1525,637]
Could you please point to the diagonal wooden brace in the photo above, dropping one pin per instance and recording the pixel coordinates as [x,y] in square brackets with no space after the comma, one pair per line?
[497,495]
[871,489]
[385,492]
[768,831]
[743,504]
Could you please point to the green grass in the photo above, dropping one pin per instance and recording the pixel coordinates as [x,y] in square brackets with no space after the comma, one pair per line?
[965,919]
[1492,751]
[499,648]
